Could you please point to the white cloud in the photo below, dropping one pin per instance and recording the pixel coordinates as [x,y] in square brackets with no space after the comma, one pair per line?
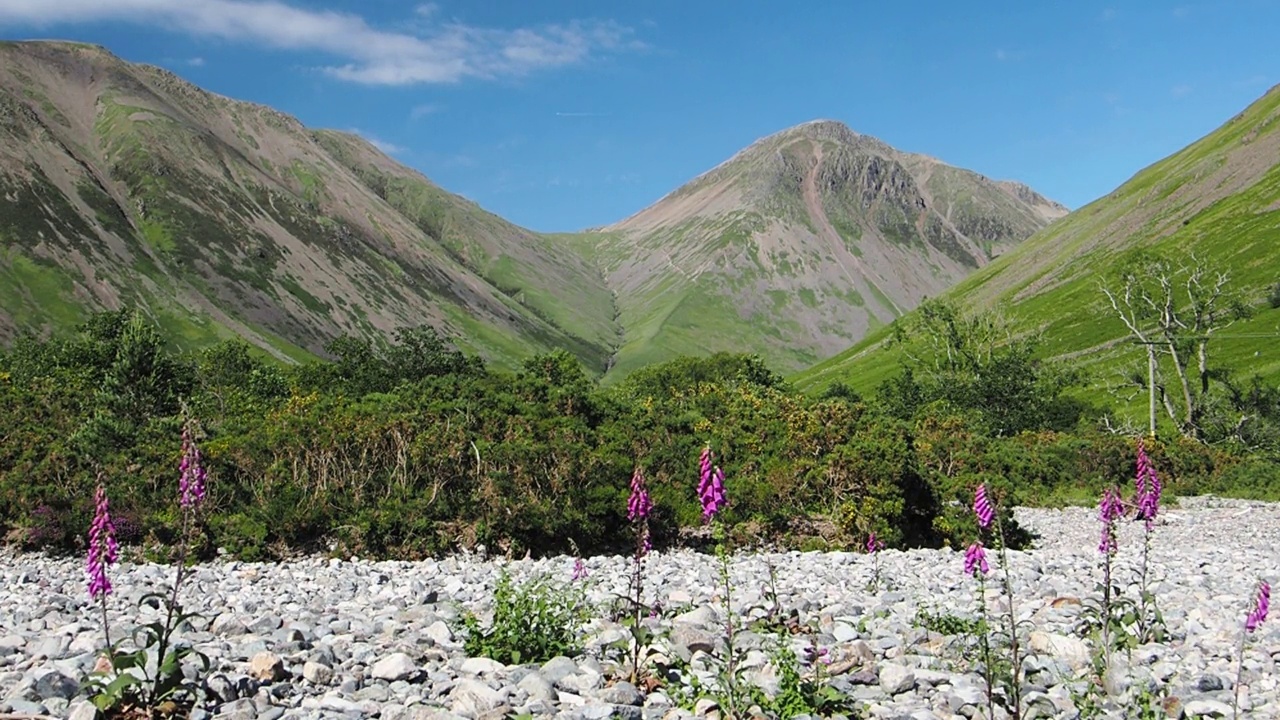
[382,145]
[1180,90]
[443,53]
[195,62]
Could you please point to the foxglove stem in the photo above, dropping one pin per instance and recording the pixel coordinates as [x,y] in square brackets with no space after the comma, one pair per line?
[637,588]
[985,644]
[1014,649]
[730,626]
[1106,603]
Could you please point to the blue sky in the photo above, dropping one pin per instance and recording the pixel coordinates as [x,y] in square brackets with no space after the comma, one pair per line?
[563,114]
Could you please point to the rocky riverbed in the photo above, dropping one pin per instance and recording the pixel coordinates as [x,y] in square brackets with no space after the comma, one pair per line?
[328,638]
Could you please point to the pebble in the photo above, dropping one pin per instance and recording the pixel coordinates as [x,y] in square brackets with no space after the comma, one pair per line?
[357,638]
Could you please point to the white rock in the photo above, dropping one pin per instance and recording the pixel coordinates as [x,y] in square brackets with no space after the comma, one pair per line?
[396,666]
[896,678]
[472,697]
[315,673]
[482,666]
[1070,650]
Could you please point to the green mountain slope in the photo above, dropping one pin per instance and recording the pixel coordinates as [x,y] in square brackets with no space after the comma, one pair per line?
[1218,199]
[124,183]
[801,244]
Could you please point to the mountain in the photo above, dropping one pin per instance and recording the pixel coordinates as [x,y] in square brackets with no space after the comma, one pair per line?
[800,244]
[124,183]
[1217,200]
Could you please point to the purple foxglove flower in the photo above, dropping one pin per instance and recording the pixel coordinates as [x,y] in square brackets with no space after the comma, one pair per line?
[103,550]
[579,569]
[1110,509]
[874,544]
[1261,605]
[1147,486]
[975,560]
[192,476]
[704,470]
[712,496]
[982,507]
[639,504]
[818,654]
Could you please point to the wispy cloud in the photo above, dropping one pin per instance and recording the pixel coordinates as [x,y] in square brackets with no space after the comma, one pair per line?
[195,62]
[435,53]
[386,147]
[1108,14]
[1181,11]
[420,111]
[581,114]
[1180,90]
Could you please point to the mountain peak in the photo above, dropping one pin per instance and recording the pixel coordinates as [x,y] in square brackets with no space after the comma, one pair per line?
[803,241]
[822,129]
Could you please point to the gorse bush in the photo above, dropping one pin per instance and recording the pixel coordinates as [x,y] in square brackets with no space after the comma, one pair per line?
[410,448]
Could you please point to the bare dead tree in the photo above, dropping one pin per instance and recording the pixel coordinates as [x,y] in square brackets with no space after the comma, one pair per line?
[1174,310]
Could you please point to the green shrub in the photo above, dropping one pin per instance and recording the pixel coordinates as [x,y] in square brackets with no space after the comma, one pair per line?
[532,622]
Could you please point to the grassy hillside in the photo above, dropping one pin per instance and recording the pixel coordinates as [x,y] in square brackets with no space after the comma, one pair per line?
[1218,199]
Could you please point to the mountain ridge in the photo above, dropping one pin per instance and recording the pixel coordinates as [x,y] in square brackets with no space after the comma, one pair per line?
[227,218]
[181,192]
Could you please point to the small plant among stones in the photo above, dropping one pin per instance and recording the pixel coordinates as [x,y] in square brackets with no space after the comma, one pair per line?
[532,622]
[801,693]
[949,624]
[126,684]
[775,619]
[874,546]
